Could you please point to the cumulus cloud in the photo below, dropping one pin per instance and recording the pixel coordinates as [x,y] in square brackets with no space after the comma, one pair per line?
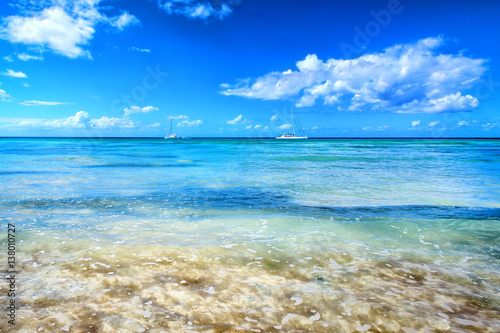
[187,123]
[452,102]
[274,117]
[124,20]
[13,73]
[434,123]
[197,9]
[61,26]
[52,27]
[248,127]
[136,109]
[415,123]
[80,120]
[404,78]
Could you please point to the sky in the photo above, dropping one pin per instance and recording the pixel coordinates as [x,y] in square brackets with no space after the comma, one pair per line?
[236,68]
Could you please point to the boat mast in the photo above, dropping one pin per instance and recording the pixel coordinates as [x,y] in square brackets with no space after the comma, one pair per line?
[293,123]
[170,133]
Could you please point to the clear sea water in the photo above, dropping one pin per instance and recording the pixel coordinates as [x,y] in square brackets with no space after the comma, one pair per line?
[153,235]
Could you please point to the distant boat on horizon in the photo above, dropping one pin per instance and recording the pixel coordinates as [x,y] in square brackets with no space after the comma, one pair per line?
[286,136]
[171,135]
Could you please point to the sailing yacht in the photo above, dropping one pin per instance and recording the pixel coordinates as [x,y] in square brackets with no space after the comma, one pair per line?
[292,135]
[170,134]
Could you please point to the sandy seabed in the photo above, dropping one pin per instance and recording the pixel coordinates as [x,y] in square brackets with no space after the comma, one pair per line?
[244,288]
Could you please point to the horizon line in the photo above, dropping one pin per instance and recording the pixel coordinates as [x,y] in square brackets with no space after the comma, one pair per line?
[246,138]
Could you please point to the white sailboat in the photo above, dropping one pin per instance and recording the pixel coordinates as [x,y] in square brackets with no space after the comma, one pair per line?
[292,135]
[170,134]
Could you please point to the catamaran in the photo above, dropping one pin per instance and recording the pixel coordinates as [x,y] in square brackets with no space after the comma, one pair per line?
[292,135]
[170,134]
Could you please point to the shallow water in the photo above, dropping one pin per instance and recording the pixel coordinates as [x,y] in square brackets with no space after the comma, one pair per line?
[253,235]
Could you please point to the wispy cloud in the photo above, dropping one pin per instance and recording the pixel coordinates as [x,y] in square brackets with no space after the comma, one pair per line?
[3,95]
[404,78]
[235,120]
[13,73]
[285,126]
[196,9]
[133,48]
[26,57]
[187,123]
[415,123]
[42,103]
[238,120]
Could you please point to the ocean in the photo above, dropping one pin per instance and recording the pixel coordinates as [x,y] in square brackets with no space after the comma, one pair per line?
[235,235]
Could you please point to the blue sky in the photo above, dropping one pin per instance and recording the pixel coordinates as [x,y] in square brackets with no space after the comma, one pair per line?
[407,68]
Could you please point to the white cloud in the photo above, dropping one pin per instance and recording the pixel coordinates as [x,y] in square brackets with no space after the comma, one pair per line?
[178,117]
[452,102]
[235,121]
[26,85]
[8,58]
[405,78]
[155,125]
[12,73]
[464,123]
[415,123]
[61,26]
[197,9]
[137,109]
[113,123]
[133,48]
[274,117]
[187,123]
[124,20]
[52,27]
[434,123]
[248,127]
[257,126]
[26,57]
[79,120]
[285,126]
[42,103]
[488,126]
[3,95]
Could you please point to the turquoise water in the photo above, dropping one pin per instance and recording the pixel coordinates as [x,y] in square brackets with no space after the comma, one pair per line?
[151,235]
